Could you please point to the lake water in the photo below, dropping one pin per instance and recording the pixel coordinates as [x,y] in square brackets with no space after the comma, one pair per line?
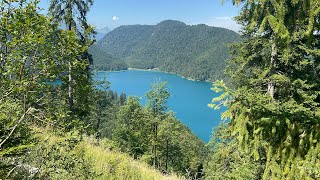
[189,99]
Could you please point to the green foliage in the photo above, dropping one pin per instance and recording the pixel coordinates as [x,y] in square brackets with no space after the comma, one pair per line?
[157,98]
[228,161]
[67,156]
[29,58]
[274,107]
[104,61]
[105,105]
[179,150]
[73,13]
[156,102]
[111,164]
[41,134]
[12,121]
[170,46]
[34,53]
[56,157]
[133,128]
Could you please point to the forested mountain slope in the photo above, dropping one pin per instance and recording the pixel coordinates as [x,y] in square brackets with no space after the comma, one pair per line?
[197,52]
[105,61]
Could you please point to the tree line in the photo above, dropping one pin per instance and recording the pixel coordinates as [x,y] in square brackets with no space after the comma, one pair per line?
[150,134]
[197,52]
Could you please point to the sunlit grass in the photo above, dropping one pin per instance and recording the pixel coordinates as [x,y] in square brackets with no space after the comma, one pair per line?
[115,165]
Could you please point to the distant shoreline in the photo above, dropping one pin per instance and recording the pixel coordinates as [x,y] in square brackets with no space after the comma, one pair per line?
[157,70]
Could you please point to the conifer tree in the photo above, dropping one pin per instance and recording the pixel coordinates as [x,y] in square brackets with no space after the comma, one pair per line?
[156,102]
[274,108]
[73,13]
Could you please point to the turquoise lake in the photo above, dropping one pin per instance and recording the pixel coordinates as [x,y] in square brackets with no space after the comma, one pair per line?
[189,99]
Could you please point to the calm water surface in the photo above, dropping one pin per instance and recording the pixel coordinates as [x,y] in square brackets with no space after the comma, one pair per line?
[189,99]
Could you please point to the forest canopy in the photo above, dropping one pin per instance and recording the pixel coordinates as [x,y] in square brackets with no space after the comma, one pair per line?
[197,52]
[274,101]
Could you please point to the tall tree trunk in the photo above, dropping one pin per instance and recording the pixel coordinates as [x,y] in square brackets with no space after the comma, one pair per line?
[98,127]
[70,91]
[4,53]
[271,83]
[167,154]
[70,95]
[155,145]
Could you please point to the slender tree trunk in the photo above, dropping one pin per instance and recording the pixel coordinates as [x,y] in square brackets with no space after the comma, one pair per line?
[3,53]
[70,90]
[6,50]
[271,83]
[155,113]
[98,127]
[70,95]
[1,60]
[167,154]
[155,145]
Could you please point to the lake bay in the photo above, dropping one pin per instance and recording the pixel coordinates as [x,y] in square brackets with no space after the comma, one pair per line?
[189,99]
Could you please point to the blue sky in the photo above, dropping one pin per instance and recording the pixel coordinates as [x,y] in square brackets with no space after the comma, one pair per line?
[113,13]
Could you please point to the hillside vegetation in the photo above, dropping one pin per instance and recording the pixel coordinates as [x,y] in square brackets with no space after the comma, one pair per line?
[115,165]
[105,61]
[197,52]
[86,158]
[138,130]
[49,105]
[79,129]
[273,114]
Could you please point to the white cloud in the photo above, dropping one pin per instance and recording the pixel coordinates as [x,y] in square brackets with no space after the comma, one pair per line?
[225,22]
[115,18]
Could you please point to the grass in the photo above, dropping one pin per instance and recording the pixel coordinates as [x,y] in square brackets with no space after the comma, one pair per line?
[114,165]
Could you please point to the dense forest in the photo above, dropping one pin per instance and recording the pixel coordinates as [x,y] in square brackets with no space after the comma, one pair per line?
[57,123]
[197,52]
[104,61]
[273,119]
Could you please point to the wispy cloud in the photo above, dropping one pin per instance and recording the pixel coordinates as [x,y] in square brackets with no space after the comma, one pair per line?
[225,22]
[115,18]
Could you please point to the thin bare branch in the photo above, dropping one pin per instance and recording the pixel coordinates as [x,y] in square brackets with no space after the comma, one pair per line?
[14,128]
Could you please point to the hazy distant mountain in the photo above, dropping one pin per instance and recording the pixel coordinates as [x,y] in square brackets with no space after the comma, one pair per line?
[102,32]
[197,51]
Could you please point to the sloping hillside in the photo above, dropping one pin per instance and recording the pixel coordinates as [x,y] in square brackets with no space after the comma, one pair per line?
[68,156]
[105,61]
[115,165]
[197,52]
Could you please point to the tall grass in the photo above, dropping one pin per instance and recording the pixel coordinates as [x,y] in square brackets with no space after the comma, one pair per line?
[112,165]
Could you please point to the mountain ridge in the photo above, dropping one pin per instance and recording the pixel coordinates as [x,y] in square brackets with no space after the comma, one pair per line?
[196,52]
[102,32]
